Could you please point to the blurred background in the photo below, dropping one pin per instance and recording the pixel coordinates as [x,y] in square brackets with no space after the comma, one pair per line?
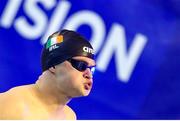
[137,52]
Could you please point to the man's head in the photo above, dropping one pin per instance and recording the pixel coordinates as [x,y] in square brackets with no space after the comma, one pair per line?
[70,59]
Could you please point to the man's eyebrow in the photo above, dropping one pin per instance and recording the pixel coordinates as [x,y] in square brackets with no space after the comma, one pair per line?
[92,64]
[86,61]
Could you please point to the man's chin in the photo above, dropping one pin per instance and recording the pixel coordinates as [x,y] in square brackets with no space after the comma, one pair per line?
[82,92]
[86,92]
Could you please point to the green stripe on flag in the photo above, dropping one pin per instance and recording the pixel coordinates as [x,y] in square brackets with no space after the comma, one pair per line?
[48,43]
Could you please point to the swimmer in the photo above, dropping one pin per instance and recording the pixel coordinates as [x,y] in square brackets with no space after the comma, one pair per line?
[67,62]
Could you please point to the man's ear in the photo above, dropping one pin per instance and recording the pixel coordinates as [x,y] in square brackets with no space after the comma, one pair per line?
[52,69]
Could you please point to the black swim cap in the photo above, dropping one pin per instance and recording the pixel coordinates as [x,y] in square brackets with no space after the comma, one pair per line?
[63,45]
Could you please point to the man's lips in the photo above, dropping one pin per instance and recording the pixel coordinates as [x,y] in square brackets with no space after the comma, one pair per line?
[88,85]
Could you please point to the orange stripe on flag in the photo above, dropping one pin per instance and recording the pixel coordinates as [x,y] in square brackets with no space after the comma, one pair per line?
[59,39]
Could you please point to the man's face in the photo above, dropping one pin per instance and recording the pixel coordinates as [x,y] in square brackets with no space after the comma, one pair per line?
[73,82]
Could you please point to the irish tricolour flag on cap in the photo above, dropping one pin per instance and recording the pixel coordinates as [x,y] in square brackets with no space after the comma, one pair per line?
[54,40]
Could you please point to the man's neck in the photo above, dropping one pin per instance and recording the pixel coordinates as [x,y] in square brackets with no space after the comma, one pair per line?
[49,95]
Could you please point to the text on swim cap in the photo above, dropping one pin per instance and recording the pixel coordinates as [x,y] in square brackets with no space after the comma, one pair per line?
[88,50]
[53,47]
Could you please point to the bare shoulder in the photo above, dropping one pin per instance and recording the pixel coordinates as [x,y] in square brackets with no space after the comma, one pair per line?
[8,97]
[71,115]
[10,104]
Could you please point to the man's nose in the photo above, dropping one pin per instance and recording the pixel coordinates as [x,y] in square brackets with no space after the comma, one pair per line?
[87,74]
